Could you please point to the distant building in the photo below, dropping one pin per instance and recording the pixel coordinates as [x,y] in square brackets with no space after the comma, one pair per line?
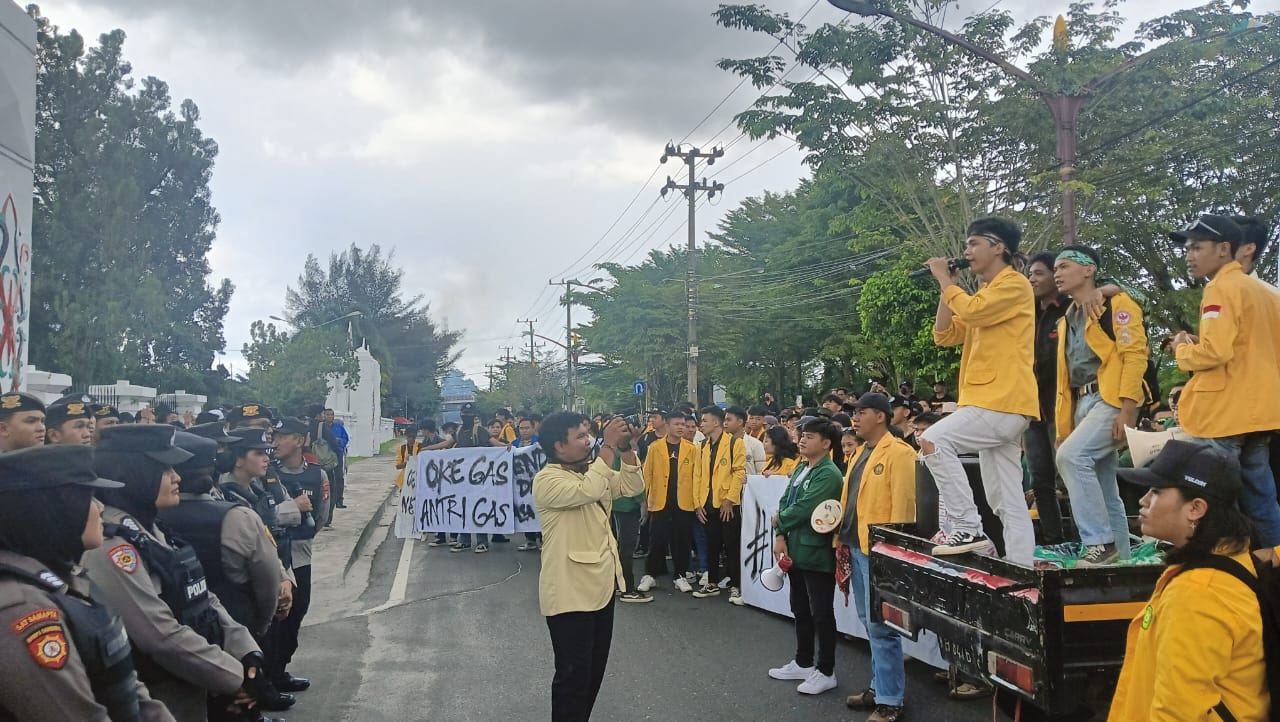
[455,390]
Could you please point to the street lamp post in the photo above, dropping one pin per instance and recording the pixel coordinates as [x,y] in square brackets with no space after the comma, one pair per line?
[353,314]
[1065,107]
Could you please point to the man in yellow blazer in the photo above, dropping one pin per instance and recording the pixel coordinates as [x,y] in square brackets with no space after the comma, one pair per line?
[674,487]
[572,496]
[998,392]
[723,468]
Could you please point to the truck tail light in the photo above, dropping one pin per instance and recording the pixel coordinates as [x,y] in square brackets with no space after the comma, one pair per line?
[896,619]
[1011,674]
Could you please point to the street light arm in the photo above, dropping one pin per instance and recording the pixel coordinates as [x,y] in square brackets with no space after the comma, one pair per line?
[552,341]
[978,50]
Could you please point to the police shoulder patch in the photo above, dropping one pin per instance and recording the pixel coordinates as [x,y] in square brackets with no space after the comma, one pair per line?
[48,646]
[40,616]
[51,579]
[125,557]
[130,523]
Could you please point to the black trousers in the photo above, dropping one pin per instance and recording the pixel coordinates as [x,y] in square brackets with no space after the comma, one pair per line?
[643,544]
[1038,442]
[291,625]
[626,529]
[673,529]
[724,538]
[813,605]
[580,641]
[337,482]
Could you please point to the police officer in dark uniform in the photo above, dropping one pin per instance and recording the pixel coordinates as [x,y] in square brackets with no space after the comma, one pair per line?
[184,643]
[65,654]
[69,420]
[104,416]
[21,421]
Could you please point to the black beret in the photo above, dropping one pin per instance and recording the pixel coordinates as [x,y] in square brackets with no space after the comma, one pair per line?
[16,401]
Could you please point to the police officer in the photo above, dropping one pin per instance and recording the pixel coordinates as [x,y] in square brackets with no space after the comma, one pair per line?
[65,655]
[294,471]
[104,416]
[69,420]
[184,643]
[21,421]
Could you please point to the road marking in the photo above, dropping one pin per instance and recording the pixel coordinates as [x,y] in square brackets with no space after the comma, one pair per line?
[400,585]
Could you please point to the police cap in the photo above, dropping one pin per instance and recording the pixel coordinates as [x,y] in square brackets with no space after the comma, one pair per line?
[60,412]
[105,411]
[46,467]
[292,425]
[251,439]
[203,450]
[156,441]
[215,431]
[245,412]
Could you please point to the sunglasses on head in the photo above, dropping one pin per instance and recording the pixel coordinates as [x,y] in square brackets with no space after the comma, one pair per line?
[1199,225]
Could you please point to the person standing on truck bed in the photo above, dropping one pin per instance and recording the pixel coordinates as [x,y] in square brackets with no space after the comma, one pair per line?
[1230,400]
[998,395]
[1101,363]
[1196,651]
[880,488]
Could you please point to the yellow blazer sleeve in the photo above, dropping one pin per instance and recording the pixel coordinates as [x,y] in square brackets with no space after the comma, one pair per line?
[626,481]
[1131,344]
[902,483]
[1193,637]
[701,477]
[402,455]
[1064,407]
[953,335]
[737,472]
[1218,329]
[994,303]
[567,491]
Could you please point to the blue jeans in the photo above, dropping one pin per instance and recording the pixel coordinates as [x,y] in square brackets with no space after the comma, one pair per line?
[1087,461]
[1258,498]
[699,545]
[888,677]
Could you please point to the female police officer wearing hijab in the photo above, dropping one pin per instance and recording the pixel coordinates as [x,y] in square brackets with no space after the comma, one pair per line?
[65,655]
[179,631]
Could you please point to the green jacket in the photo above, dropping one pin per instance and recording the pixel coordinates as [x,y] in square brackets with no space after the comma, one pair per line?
[808,549]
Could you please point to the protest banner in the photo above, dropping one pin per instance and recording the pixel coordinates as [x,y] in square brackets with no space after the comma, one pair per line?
[466,491]
[760,498]
[408,511]
[525,464]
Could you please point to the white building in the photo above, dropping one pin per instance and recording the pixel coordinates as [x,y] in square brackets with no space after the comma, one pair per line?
[360,409]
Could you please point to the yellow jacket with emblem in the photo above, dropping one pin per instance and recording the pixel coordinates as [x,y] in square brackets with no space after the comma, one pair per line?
[784,468]
[406,452]
[1198,644]
[997,327]
[887,490]
[691,486]
[1236,380]
[1124,360]
[726,473]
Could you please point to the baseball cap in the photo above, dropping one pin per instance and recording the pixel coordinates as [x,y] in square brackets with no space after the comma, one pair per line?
[1209,227]
[46,467]
[877,402]
[468,409]
[1203,470]
[292,425]
[156,441]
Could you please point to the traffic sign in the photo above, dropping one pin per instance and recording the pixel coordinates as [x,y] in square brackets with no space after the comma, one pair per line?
[639,388]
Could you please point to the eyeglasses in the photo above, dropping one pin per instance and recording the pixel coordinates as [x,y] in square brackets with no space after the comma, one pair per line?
[1198,224]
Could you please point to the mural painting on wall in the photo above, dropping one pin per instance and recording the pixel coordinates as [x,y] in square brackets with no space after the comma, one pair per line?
[15,275]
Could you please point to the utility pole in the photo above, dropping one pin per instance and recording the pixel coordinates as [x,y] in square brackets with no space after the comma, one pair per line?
[569,354]
[529,333]
[690,190]
[489,372]
[507,358]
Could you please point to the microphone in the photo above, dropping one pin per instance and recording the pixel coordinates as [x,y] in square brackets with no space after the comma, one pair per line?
[955,264]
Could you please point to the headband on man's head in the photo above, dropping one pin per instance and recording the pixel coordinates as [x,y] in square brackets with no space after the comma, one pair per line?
[1075,256]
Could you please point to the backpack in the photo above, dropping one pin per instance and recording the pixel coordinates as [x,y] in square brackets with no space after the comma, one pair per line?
[1150,377]
[326,458]
[1267,588]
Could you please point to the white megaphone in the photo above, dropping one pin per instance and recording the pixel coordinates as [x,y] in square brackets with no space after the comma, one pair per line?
[774,577]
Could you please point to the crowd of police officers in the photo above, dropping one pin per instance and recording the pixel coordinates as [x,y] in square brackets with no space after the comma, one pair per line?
[149,572]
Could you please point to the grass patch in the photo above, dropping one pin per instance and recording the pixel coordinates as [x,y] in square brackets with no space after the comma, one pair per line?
[388,447]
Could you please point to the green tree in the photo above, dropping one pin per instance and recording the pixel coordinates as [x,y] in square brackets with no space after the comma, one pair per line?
[899,313]
[293,372]
[122,221]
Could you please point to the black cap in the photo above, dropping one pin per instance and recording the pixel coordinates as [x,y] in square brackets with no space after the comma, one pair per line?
[211,415]
[46,467]
[1199,468]
[468,408]
[902,401]
[16,402]
[105,411]
[292,425]
[215,431]
[204,451]
[878,402]
[1209,227]
[251,439]
[156,441]
[245,412]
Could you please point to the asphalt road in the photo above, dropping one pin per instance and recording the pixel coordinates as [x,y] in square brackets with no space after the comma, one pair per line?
[467,642]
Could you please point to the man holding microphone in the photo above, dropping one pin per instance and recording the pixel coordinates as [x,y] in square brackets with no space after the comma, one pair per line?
[998,393]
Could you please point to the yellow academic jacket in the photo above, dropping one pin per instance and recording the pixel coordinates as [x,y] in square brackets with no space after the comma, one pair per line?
[887,490]
[726,473]
[508,434]
[691,487]
[997,327]
[785,467]
[403,457]
[1235,378]
[1124,360]
[1198,643]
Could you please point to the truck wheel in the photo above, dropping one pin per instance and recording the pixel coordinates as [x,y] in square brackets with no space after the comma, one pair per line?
[1007,702]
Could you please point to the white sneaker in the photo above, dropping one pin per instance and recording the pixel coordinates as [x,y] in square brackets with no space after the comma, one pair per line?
[791,670]
[735,597]
[817,683]
[704,580]
[681,585]
[646,583]
[724,583]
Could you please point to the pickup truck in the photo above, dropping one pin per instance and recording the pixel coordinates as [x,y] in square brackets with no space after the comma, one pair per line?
[1052,638]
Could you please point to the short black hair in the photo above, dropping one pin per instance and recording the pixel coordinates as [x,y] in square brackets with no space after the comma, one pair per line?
[535,416]
[824,429]
[1091,253]
[849,407]
[757,410]
[1255,232]
[832,397]
[556,428]
[737,411]
[715,411]
[673,415]
[842,419]
[428,425]
[1004,229]
[1045,258]
[929,418]
[502,414]
[450,426]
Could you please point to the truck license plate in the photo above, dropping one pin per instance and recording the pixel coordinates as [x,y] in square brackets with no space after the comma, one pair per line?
[962,652]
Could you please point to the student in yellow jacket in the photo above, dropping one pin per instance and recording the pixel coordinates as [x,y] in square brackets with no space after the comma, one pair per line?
[781,453]
[879,488]
[1195,652]
[673,487]
[722,464]
[1100,368]
[1231,397]
[998,393]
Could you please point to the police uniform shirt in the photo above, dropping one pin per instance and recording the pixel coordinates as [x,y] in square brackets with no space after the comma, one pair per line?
[255,489]
[189,663]
[44,679]
[319,512]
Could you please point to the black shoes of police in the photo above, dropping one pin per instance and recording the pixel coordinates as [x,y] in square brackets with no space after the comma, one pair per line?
[290,683]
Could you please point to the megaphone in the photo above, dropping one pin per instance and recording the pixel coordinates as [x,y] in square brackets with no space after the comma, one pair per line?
[774,577]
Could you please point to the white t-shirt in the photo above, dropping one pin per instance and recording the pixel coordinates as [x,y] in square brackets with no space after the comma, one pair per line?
[755,455]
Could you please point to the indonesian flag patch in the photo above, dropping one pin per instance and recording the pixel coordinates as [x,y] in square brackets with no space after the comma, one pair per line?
[48,647]
[1212,311]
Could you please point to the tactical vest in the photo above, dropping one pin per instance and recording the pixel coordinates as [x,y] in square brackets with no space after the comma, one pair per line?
[309,481]
[183,587]
[99,639]
[199,523]
[264,504]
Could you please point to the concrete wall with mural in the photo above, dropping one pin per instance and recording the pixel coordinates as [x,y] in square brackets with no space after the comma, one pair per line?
[17,161]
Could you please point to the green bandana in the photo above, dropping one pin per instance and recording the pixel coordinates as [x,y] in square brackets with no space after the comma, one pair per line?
[1076,257]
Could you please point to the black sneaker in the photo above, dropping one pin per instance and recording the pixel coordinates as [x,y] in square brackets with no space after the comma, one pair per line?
[634,597]
[959,542]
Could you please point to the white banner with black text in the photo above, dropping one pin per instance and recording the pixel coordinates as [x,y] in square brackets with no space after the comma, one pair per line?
[486,490]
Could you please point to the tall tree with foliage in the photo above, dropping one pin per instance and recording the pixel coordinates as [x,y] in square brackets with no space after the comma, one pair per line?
[292,372]
[413,351]
[122,223]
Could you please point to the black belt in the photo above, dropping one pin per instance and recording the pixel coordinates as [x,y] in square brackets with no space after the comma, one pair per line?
[1085,390]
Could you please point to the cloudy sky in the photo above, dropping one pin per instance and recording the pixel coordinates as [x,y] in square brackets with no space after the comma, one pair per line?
[490,143]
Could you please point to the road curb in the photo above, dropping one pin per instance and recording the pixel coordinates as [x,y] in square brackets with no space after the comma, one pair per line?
[367,532]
